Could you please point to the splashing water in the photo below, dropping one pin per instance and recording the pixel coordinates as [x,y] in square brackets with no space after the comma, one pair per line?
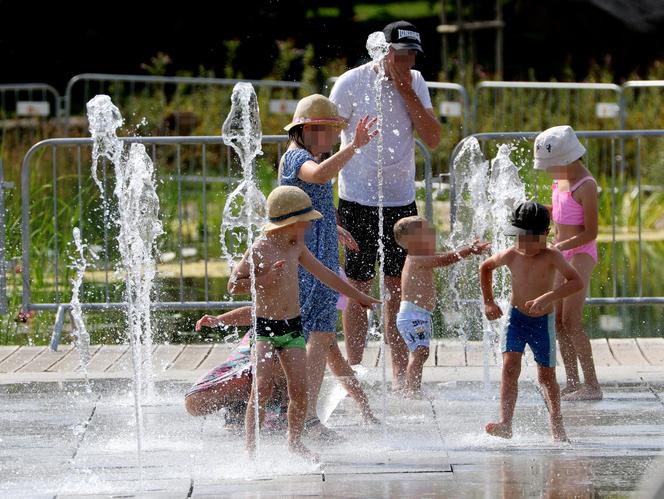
[378,48]
[245,208]
[138,219]
[104,119]
[487,192]
[139,227]
[82,337]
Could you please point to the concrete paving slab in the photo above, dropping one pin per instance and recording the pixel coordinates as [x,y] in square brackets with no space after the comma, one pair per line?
[191,357]
[652,349]
[45,360]
[450,353]
[72,444]
[105,357]
[627,352]
[20,358]
[72,360]
[602,354]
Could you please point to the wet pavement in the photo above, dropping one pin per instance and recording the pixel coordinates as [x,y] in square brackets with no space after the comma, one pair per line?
[59,441]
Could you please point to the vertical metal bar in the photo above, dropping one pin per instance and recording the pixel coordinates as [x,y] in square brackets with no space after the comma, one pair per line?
[3,269]
[25,231]
[179,177]
[205,223]
[80,190]
[55,223]
[614,256]
[639,224]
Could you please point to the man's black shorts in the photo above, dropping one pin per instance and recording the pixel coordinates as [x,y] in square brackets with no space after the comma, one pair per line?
[362,222]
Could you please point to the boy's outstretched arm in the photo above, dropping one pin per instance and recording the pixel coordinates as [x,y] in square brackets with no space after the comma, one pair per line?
[238,317]
[491,308]
[450,257]
[573,284]
[332,280]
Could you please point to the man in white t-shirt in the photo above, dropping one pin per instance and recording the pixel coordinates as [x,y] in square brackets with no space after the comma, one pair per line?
[406,107]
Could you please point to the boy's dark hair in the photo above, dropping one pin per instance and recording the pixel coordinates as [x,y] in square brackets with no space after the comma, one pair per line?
[529,218]
[405,227]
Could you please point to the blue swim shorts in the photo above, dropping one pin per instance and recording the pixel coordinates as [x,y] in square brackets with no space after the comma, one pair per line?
[536,332]
[414,325]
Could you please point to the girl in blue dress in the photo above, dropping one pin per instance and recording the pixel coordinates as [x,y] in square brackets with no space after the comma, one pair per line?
[307,164]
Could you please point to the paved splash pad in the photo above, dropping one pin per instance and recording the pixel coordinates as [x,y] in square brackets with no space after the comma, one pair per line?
[59,441]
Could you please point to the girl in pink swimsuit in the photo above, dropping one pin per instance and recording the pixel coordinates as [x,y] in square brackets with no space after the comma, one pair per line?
[574,210]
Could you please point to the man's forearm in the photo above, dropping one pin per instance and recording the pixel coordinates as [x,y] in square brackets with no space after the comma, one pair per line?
[426,125]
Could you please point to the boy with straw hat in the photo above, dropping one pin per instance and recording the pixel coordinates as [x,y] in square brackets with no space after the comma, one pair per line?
[276,258]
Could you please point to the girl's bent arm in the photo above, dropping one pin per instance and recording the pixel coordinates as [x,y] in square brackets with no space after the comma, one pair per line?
[323,172]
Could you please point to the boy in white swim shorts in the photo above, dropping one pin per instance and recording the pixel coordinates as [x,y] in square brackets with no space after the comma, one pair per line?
[418,291]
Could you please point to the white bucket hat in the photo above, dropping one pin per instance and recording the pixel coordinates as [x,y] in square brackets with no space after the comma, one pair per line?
[557,146]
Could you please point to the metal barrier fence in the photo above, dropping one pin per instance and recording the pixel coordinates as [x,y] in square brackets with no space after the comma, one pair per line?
[168,89]
[650,91]
[192,173]
[44,100]
[560,98]
[3,260]
[29,99]
[618,155]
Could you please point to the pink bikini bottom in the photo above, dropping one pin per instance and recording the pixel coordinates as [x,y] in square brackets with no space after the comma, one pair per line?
[589,248]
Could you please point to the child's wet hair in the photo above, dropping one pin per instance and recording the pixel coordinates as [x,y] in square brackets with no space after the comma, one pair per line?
[295,136]
[405,227]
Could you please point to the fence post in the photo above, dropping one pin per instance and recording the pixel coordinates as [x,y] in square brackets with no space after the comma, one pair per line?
[3,263]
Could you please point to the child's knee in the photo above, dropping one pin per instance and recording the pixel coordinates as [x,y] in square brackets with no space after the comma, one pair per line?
[297,390]
[546,375]
[193,406]
[421,354]
[512,367]
[572,324]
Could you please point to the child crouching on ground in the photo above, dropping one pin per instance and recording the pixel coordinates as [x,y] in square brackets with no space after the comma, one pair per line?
[276,259]
[418,290]
[533,267]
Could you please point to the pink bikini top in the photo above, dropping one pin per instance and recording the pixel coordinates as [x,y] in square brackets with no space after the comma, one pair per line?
[566,210]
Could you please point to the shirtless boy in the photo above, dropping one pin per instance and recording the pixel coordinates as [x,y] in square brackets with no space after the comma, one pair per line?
[276,257]
[418,291]
[533,267]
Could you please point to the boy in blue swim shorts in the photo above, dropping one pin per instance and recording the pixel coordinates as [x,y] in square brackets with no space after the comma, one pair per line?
[533,267]
[418,290]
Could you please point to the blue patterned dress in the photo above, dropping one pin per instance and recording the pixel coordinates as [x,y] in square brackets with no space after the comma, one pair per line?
[318,303]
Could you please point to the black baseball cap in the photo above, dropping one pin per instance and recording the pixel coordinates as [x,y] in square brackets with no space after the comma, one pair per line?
[402,35]
[529,218]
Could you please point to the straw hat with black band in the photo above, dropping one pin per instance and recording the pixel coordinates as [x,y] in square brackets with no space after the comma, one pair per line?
[287,205]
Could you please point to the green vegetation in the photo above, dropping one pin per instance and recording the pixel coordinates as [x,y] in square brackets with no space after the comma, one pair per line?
[192,110]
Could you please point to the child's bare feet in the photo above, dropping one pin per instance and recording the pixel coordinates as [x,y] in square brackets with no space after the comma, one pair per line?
[316,430]
[502,430]
[370,419]
[558,430]
[584,393]
[569,388]
[299,449]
